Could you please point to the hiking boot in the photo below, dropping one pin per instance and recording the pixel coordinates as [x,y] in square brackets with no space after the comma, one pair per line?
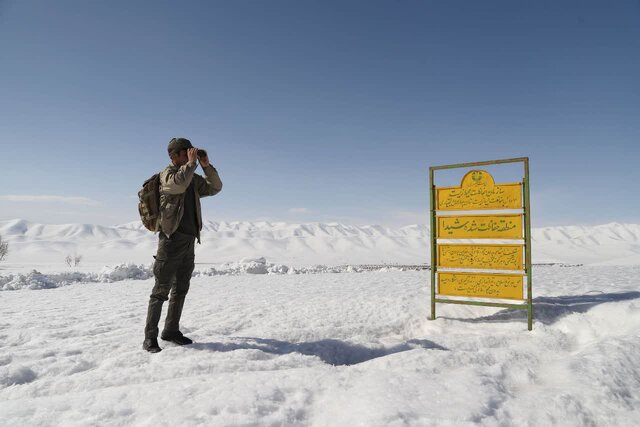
[151,345]
[176,338]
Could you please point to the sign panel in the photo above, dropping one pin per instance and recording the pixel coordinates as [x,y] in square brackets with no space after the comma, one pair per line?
[479,191]
[508,286]
[480,227]
[493,257]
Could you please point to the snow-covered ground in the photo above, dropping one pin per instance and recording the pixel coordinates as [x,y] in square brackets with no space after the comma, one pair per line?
[308,336]
[324,349]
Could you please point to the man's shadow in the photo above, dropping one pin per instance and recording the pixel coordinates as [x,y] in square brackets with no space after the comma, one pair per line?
[549,310]
[330,351]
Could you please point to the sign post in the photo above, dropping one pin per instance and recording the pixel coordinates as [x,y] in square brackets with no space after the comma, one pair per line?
[503,266]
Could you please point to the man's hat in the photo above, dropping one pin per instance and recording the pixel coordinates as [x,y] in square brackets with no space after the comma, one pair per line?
[178,144]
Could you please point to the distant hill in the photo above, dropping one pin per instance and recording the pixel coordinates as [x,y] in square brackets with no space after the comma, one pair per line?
[303,244]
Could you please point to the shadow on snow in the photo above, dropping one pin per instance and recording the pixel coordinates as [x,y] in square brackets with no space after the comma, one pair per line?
[333,352]
[549,310]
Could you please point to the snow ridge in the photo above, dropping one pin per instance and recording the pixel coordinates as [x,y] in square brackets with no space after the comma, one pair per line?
[305,243]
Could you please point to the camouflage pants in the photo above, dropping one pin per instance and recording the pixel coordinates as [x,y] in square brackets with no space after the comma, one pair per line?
[172,270]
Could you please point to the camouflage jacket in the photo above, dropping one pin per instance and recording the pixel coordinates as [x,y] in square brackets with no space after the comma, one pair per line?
[174,181]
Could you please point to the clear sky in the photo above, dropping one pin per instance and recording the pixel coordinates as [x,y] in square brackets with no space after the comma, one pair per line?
[318,110]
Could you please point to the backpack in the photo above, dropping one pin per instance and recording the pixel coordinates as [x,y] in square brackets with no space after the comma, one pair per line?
[149,203]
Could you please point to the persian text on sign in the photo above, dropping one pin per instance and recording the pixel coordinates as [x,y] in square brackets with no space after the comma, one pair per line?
[480,227]
[495,257]
[478,191]
[507,286]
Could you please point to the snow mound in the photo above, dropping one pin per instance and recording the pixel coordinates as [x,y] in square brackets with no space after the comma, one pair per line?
[33,280]
[247,266]
[125,272]
[36,280]
[261,266]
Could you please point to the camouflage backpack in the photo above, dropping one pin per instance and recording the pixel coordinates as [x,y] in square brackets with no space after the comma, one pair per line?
[149,203]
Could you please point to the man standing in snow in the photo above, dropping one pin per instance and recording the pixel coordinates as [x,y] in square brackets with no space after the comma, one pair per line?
[180,224]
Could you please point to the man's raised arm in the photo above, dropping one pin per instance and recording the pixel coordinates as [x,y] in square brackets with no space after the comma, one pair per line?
[211,184]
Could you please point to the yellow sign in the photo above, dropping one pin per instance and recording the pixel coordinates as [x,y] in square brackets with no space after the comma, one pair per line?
[507,286]
[478,191]
[494,257]
[480,227]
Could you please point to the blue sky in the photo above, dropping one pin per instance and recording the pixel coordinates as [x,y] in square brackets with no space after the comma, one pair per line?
[318,110]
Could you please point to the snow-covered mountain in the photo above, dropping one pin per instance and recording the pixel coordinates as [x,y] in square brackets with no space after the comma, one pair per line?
[302,244]
[614,244]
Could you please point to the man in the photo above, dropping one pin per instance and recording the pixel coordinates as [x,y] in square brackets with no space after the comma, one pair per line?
[180,224]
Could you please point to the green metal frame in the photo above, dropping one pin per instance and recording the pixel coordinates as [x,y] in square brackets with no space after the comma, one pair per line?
[527,239]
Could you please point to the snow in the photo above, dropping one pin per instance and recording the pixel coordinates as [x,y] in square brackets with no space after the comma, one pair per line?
[290,328]
[301,245]
[37,280]
[325,350]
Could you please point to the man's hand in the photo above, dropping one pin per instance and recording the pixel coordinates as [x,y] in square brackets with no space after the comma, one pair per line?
[192,154]
[204,161]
